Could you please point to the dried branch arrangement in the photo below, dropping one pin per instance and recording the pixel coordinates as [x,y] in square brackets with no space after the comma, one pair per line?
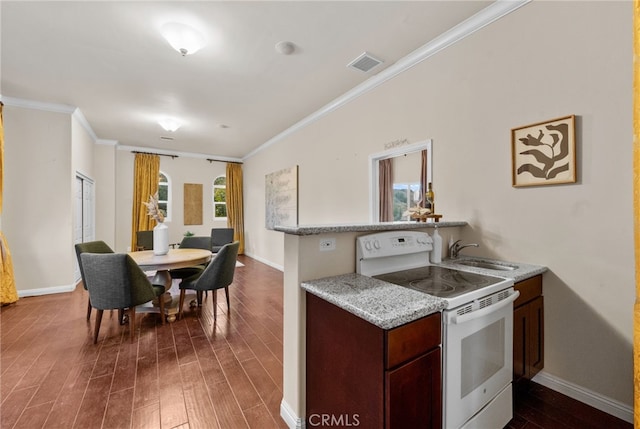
[153,209]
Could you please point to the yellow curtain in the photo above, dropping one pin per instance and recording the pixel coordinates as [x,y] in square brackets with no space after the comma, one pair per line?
[8,292]
[235,211]
[146,175]
[636,209]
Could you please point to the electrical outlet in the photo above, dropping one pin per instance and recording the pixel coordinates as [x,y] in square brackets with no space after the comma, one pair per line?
[327,244]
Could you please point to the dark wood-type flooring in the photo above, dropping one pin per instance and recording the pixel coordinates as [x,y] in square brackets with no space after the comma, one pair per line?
[192,373]
[539,407]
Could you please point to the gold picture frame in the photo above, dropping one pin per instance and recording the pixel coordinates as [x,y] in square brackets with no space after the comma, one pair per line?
[544,153]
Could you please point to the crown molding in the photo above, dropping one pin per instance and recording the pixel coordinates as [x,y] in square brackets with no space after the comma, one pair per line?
[107,142]
[37,105]
[52,107]
[486,16]
[178,154]
[85,124]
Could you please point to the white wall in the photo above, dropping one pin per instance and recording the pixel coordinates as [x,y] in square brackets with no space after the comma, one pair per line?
[104,174]
[546,60]
[37,208]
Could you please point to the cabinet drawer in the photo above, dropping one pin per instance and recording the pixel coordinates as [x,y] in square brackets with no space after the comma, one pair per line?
[529,289]
[413,339]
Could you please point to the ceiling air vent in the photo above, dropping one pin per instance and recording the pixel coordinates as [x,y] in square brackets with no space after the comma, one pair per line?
[365,62]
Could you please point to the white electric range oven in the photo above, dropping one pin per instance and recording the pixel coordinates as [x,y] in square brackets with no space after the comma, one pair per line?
[477,333]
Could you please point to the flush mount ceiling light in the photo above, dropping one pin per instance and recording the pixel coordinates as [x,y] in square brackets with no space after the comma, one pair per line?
[169,124]
[182,38]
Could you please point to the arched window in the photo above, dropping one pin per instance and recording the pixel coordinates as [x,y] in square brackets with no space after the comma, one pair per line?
[220,198]
[164,195]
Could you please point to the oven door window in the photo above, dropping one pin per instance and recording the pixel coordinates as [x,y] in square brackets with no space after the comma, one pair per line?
[483,355]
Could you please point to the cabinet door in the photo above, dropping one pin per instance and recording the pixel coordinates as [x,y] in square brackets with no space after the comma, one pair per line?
[536,336]
[528,339]
[520,342]
[413,394]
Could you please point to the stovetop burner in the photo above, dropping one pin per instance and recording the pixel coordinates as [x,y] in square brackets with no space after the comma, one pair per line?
[439,281]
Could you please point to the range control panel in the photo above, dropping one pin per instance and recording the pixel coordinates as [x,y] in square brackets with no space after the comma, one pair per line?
[393,243]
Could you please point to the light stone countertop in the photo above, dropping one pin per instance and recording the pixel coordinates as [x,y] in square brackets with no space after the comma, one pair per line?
[363,227]
[383,304]
[387,305]
[521,272]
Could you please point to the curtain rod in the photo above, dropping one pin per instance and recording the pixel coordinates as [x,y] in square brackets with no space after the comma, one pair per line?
[159,154]
[220,160]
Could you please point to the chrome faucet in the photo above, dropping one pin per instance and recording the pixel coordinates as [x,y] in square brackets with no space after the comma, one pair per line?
[456,247]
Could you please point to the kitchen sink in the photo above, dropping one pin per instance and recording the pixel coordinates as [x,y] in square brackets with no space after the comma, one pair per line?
[487,265]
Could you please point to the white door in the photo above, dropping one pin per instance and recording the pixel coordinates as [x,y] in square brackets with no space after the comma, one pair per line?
[84,219]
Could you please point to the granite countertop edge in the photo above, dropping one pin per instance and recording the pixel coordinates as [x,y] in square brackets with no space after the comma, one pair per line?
[383,304]
[387,305]
[364,227]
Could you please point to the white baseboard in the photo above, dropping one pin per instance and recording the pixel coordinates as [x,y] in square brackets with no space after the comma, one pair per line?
[579,393]
[46,290]
[266,262]
[289,417]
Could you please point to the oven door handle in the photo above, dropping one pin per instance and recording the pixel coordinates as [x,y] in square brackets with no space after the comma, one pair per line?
[457,320]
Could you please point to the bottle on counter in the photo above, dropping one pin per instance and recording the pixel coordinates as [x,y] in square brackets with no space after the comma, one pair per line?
[430,202]
[436,253]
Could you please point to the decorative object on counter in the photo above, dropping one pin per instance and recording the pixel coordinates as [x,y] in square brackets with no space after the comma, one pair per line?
[416,212]
[160,231]
[423,214]
[420,214]
[436,253]
[544,153]
[281,199]
[189,234]
[430,199]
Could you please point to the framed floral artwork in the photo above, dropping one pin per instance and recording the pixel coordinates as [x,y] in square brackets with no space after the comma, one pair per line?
[544,153]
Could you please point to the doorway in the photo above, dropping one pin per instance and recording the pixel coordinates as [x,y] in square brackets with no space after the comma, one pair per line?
[84,216]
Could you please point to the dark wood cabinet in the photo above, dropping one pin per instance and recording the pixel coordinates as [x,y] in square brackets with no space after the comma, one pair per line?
[528,329]
[358,374]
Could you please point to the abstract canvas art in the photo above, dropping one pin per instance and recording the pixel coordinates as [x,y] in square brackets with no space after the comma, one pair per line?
[281,198]
[544,153]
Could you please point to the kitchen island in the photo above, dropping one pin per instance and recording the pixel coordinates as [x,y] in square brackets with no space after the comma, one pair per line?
[305,260]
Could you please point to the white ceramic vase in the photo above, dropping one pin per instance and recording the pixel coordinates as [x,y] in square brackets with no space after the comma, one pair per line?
[160,239]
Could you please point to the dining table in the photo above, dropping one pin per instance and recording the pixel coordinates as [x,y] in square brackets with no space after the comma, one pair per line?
[161,264]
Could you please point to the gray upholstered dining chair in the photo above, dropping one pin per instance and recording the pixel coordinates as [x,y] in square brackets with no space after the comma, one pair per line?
[193,242]
[220,237]
[115,281]
[90,247]
[218,274]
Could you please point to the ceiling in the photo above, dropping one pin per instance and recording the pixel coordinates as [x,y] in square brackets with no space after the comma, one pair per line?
[109,59]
